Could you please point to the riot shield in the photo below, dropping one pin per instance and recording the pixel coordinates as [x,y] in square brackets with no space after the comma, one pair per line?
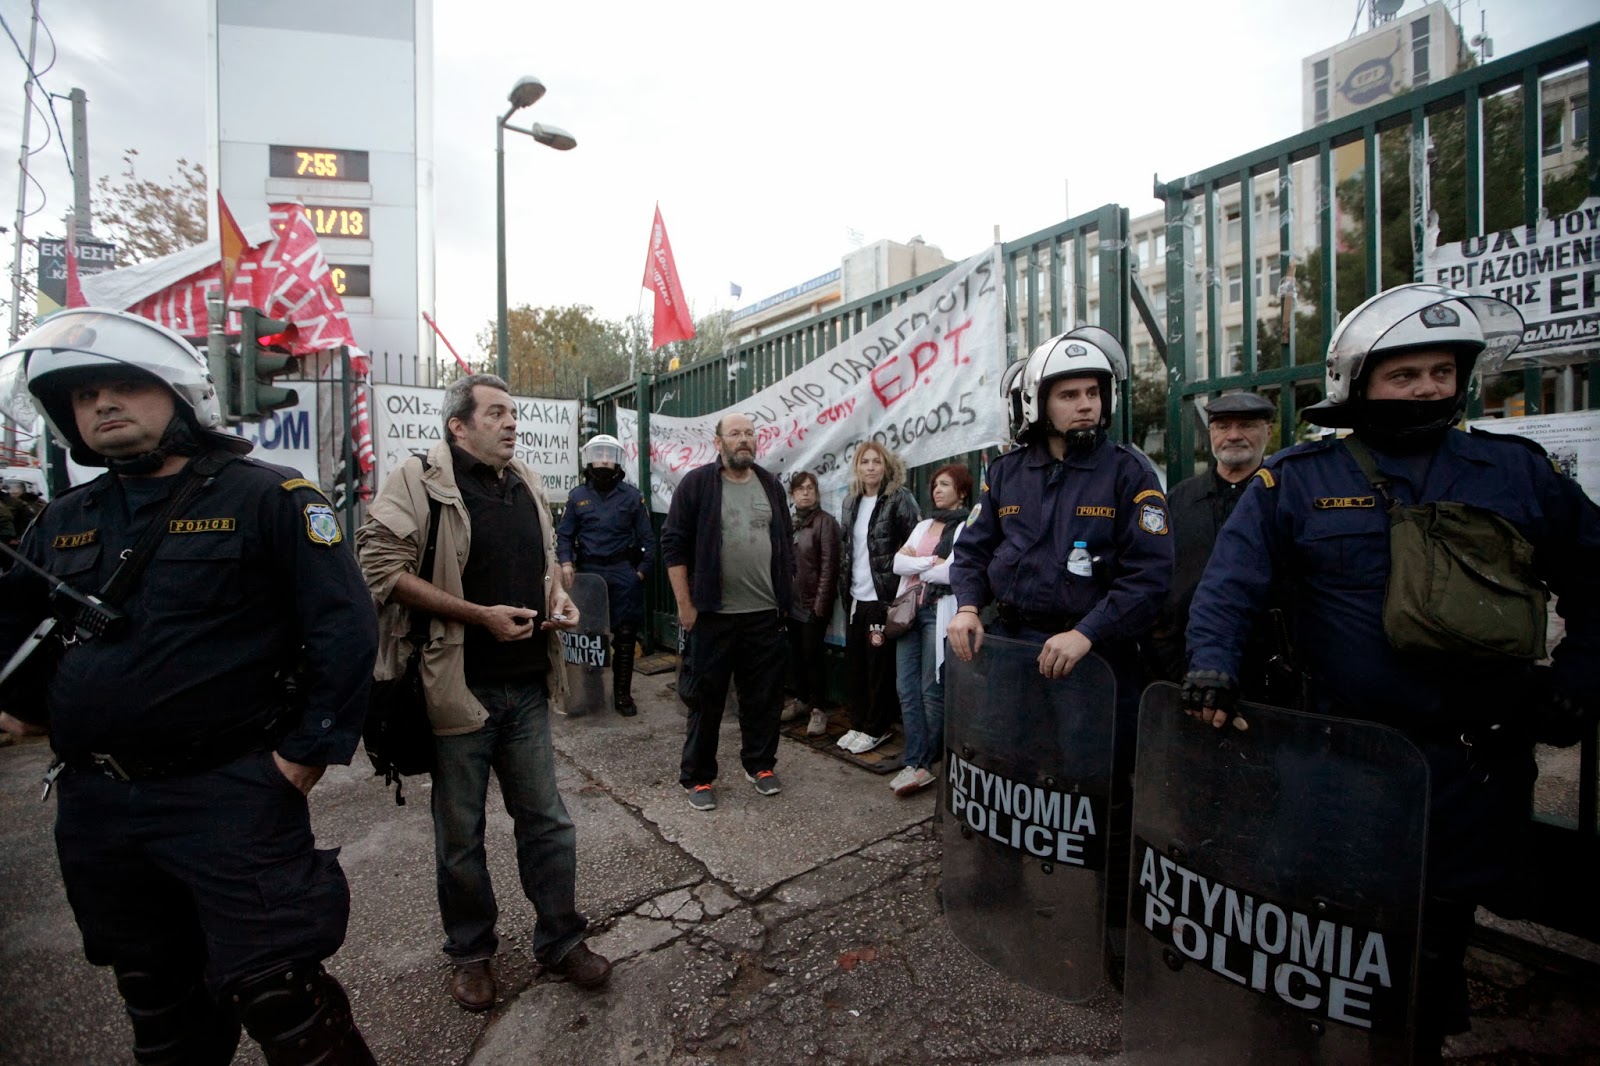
[586,650]
[1025,794]
[1276,889]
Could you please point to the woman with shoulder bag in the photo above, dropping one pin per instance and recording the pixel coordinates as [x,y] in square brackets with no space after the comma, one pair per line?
[879,515]
[816,576]
[923,564]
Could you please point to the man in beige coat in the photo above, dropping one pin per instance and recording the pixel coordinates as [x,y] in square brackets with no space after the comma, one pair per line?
[495,589]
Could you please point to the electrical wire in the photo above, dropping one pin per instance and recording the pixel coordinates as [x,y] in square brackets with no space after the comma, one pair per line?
[35,76]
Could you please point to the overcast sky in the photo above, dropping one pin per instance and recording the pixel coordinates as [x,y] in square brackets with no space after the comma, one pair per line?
[766,132]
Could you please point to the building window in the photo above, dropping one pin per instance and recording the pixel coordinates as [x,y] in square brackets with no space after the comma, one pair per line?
[1580,119]
[1419,52]
[1232,229]
[1161,246]
[1319,92]
[1233,345]
[1550,131]
[1146,260]
[1235,285]
[1267,272]
[1266,219]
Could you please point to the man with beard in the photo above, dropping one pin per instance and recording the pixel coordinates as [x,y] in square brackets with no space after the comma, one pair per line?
[729,552]
[1239,424]
[1456,669]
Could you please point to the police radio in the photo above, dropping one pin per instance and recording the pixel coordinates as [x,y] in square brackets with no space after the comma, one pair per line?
[73,616]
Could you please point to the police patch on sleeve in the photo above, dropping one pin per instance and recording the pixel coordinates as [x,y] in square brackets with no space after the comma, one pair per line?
[1153,519]
[322,526]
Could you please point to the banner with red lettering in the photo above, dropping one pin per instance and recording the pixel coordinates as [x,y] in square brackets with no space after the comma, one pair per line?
[672,320]
[923,380]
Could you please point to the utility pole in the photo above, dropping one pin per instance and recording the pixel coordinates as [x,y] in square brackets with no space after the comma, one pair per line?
[82,218]
[22,183]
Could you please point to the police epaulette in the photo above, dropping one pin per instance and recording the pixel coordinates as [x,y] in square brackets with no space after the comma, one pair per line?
[299,483]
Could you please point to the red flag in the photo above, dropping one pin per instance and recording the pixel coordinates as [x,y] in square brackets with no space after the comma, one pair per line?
[462,363]
[74,286]
[233,243]
[661,277]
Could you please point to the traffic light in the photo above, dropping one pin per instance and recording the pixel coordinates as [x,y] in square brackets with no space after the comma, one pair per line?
[222,361]
[258,366]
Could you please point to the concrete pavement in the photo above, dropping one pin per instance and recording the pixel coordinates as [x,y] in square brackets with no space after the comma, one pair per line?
[797,928]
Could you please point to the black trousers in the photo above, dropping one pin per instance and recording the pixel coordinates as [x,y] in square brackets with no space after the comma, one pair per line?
[213,872]
[869,664]
[749,649]
[807,661]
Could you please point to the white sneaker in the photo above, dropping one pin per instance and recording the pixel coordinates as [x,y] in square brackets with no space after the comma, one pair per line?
[815,728]
[866,743]
[848,740]
[919,780]
[903,779]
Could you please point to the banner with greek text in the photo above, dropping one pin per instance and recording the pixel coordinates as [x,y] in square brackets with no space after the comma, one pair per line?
[1550,271]
[288,436]
[406,419]
[923,380]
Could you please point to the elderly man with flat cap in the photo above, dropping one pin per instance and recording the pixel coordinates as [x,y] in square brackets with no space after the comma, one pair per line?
[1239,424]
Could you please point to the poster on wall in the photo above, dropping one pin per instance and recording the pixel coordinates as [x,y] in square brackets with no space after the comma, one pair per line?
[1549,271]
[924,380]
[1572,440]
[288,436]
[407,419]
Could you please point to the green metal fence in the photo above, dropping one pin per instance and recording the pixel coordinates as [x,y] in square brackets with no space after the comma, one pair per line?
[1472,151]
[1068,274]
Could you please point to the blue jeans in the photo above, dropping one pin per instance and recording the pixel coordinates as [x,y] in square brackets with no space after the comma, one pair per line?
[921,691]
[515,742]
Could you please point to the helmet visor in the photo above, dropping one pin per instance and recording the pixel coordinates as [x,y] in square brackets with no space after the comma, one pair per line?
[16,403]
[602,453]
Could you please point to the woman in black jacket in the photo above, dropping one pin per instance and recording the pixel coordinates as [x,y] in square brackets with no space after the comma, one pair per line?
[816,577]
[879,515]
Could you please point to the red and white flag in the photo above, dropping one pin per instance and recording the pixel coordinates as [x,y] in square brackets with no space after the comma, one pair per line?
[672,321]
[75,296]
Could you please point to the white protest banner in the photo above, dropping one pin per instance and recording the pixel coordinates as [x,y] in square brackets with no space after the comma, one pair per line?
[1551,272]
[407,419]
[288,436]
[924,381]
[1573,441]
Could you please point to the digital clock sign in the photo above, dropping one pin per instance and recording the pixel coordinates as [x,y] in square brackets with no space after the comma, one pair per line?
[351,279]
[317,164]
[338,221]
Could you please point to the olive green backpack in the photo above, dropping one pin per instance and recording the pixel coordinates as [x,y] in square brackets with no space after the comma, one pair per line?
[1461,578]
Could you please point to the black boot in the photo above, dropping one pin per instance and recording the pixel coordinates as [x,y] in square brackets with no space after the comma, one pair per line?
[622,671]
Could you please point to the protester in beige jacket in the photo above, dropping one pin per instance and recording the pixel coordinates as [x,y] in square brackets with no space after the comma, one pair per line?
[496,600]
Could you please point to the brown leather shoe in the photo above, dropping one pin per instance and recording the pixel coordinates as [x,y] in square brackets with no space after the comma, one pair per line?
[582,967]
[473,986]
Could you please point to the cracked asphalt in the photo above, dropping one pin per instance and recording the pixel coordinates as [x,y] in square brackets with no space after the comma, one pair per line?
[801,928]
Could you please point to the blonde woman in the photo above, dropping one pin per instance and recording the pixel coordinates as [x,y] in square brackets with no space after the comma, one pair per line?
[879,515]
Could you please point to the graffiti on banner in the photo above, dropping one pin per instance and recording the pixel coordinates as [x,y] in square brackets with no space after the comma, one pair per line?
[923,380]
[1550,271]
[408,419]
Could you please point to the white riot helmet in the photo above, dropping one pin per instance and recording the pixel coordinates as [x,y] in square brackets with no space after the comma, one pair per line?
[1479,330]
[83,344]
[604,448]
[1085,350]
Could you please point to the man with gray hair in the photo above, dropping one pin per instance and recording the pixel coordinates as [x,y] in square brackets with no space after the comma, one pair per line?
[493,588]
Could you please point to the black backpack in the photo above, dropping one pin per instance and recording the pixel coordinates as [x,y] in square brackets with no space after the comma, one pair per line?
[397,734]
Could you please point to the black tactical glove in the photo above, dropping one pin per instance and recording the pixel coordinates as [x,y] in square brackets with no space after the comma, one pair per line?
[1207,691]
[1556,718]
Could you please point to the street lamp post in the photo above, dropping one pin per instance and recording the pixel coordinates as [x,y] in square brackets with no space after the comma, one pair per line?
[525,93]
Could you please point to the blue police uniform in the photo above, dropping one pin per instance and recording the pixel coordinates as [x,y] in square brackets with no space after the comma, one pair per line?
[1030,512]
[182,846]
[1312,515]
[606,533]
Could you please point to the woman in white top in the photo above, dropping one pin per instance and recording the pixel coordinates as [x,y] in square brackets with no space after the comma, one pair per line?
[924,565]
[879,514]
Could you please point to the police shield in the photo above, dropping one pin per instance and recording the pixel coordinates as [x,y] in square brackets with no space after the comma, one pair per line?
[585,651]
[1276,889]
[1025,795]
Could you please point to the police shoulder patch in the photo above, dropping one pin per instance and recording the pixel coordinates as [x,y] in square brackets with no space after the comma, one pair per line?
[322,525]
[1265,477]
[1153,518]
[1147,494]
[299,483]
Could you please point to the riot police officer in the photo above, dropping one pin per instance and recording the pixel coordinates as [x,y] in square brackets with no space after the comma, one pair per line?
[605,530]
[1070,541]
[188,735]
[1333,516]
